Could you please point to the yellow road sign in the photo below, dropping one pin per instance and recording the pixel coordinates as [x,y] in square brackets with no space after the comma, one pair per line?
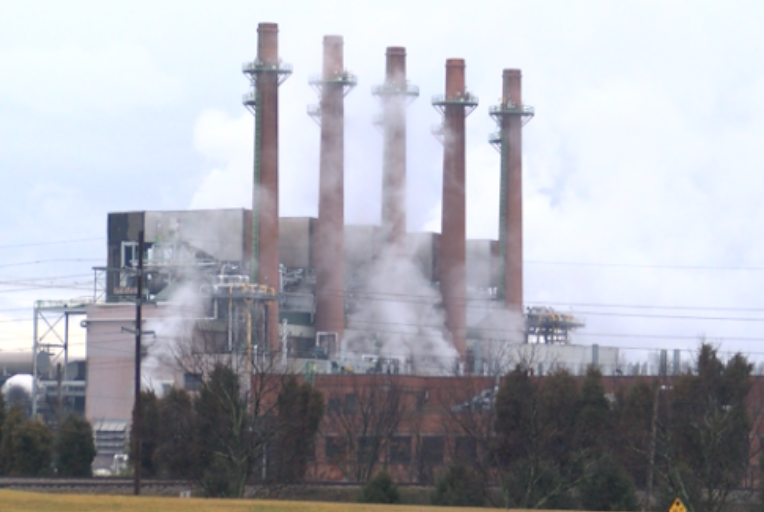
[677,506]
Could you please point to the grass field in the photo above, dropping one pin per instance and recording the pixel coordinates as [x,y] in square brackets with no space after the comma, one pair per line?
[17,501]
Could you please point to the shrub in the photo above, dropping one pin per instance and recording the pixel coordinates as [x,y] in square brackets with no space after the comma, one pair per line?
[460,486]
[380,489]
[607,486]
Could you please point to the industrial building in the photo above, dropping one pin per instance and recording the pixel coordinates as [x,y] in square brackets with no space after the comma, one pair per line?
[315,296]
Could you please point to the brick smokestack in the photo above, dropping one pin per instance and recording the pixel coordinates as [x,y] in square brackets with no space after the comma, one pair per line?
[512,135]
[452,252]
[394,153]
[329,242]
[266,73]
[511,115]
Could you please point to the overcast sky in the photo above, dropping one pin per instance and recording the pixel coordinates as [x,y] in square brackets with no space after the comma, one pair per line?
[642,168]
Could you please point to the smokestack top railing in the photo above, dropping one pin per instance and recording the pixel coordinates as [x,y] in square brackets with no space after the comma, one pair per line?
[467,100]
[252,69]
[347,79]
[440,102]
[389,89]
[257,66]
[507,108]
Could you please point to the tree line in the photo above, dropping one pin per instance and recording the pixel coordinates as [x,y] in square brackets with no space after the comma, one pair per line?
[552,442]
[28,447]
[558,441]
[226,437]
[561,442]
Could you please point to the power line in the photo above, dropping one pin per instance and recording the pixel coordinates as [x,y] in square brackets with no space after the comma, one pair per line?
[53,260]
[37,244]
[25,280]
[638,265]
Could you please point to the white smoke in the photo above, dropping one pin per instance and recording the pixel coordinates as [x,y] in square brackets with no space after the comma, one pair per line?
[400,317]
[172,337]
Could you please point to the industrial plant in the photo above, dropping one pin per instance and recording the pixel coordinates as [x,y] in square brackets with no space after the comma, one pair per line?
[315,296]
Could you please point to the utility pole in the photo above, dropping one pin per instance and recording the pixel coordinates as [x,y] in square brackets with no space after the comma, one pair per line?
[138,334]
[58,397]
[136,429]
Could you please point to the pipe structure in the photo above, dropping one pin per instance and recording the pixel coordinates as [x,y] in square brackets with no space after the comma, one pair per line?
[511,115]
[455,106]
[266,73]
[333,85]
[395,94]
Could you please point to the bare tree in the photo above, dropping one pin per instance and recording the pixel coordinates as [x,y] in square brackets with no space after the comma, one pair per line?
[364,416]
[470,420]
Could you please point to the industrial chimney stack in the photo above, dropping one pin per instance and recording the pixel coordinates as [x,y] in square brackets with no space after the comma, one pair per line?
[266,73]
[332,86]
[511,115]
[455,106]
[395,94]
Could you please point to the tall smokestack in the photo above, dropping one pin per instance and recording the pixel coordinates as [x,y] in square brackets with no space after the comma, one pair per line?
[266,73]
[332,85]
[395,93]
[511,115]
[455,106]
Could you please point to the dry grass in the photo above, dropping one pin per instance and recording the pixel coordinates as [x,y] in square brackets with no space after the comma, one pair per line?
[17,501]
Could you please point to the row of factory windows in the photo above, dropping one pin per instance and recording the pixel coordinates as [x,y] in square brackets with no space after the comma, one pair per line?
[401,449]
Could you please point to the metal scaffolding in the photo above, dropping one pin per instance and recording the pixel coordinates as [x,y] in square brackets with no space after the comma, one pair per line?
[51,334]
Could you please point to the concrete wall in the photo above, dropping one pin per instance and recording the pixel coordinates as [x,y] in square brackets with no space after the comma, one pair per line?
[296,241]
[482,264]
[111,357]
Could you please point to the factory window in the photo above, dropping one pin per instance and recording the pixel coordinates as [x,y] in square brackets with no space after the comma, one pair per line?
[368,449]
[334,448]
[129,259]
[465,448]
[432,450]
[192,381]
[350,403]
[333,405]
[129,254]
[400,450]
[421,400]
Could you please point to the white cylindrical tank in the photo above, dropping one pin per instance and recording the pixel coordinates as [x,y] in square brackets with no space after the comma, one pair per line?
[12,363]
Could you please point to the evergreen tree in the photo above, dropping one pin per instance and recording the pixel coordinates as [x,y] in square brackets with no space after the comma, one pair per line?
[708,431]
[147,434]
[607,486]
[2,421]
[13,419]
[300,409]
[535,439]
[226,435]
[75,447]
[594,418]
[177,452]
[631,443]
[516,403]
[32,445]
